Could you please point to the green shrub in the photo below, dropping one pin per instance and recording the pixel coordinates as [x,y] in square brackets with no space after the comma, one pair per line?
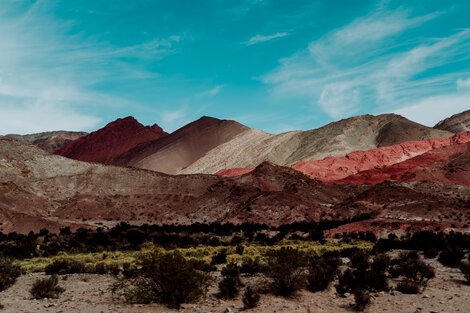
[408,286]
[360,260]
[228,287]
[321,273]
[250,298]
[219,258]
[231,270]
[465,269]
[250,267]
[66,266]
[380,263]
[286,268]
[46,288]
[165,278]
[361,299]
[202,265]
[451,257]
[8,273]
[416,272]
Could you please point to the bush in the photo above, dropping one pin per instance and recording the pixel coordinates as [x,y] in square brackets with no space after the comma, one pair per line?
[451,257]
[408,286]
[231,270]
[416,272]
[250,267]
[46,288]
[431,253]
[219,258]
[202,265]
[286,267]
[321,273]
[361,299]
[166,278]
[465,269]
[360,260]
[250,298]
[380,263]
[66,266]
[8,273]
[228,287]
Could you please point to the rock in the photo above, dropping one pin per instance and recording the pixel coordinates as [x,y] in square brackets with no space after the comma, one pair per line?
[228,310]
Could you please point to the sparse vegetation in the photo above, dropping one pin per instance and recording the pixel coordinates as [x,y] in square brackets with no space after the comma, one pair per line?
[65,266]
[416,273]
[285,266]
[46,288]
[166,278]
[361,299]
[250,298]
[321,273]
[8,273]
[465,269]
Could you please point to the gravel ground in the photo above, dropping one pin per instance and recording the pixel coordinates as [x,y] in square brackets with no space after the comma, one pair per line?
[90,293]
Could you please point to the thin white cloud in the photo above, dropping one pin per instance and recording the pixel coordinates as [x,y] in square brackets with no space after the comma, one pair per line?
[263,38]
[357,68]
[211,92]
[429,111]
[463,83]
[44,69]
[30,118]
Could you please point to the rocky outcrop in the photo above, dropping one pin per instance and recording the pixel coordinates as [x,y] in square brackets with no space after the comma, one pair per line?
[456,123]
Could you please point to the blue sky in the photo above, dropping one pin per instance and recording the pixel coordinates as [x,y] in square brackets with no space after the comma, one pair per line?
[271,64]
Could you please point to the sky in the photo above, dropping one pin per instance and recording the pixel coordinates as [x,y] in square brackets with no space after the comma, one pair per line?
[275,65]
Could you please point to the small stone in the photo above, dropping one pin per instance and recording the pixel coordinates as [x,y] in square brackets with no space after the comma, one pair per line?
[228,310]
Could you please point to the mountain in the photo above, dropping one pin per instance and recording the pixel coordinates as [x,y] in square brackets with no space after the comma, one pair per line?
[448,165]
[107,144]
[39,190]
[332,169]
[50,141]
[456,123]
[183,147]
[333,140]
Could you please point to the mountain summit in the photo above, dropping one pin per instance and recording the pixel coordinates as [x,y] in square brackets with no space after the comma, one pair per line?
[110,142]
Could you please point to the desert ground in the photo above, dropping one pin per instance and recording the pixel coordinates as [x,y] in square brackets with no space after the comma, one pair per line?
[446,293]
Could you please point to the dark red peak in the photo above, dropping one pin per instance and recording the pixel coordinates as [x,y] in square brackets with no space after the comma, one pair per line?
[157,129]
[125,122]
[108,143]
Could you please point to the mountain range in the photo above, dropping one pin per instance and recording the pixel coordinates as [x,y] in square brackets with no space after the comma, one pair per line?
[393,170]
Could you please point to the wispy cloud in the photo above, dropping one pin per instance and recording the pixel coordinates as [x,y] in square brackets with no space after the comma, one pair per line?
[463,83]
[50,73]
[263,38]
[365,66]
[211,92]
[429,111]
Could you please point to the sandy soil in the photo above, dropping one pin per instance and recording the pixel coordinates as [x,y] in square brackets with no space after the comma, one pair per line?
[89,293]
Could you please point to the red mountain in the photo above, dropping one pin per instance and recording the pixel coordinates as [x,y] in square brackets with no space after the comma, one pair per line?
[448,165]
[331,169]
[107,144]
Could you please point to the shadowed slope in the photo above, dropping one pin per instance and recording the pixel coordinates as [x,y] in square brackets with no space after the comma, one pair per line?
[183,147]
[107,144]
[456,123]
